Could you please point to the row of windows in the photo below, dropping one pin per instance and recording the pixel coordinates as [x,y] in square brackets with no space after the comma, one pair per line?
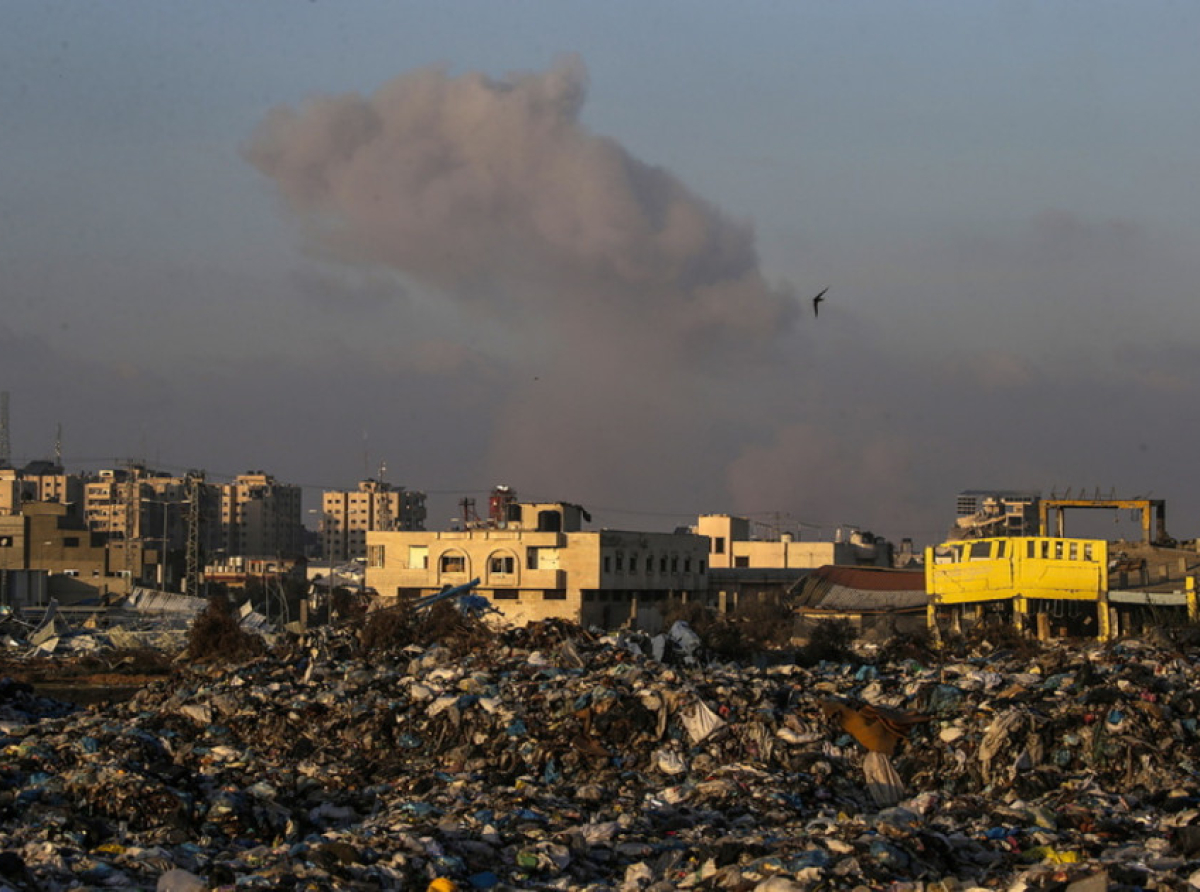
[67,542]
[506,564]
[605,595]
[1044,549]
[665,564]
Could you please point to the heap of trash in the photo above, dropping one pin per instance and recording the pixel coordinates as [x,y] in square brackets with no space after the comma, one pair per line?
[553,757]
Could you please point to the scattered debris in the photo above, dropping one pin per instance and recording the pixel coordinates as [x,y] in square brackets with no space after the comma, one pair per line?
[553,757]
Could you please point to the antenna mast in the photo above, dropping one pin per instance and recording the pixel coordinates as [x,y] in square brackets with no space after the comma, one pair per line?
[5,450]
[385,501]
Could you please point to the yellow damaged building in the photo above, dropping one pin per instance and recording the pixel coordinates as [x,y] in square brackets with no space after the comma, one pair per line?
[1045,586]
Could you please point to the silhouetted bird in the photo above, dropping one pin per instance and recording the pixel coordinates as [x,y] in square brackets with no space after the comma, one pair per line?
[817,301]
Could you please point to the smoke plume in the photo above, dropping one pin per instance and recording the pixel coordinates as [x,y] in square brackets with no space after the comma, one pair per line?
[620,291]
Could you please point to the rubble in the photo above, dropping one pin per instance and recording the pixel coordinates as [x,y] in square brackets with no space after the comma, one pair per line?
[552,757]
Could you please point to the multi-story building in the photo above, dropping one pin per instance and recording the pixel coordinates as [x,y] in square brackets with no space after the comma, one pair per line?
[260,517]
[541,564]
[14,492]
[39,481]
[135,503]
[80,563]
[981,513]
[347,517]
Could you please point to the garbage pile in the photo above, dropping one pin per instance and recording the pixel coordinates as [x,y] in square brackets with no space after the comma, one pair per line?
[555,758]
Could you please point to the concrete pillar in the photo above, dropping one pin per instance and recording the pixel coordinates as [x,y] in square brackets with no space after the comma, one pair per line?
[1043,627]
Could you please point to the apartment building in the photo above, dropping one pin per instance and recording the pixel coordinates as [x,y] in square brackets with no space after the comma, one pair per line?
[79,563]
[260,517]
[983,513]
[137,503]
[39,481]
[347,517]
[541,565]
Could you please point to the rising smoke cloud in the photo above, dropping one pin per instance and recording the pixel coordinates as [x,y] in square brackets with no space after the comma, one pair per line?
[494,193]
[625,297]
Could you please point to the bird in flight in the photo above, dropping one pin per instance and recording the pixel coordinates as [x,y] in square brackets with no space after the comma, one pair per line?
[817,302]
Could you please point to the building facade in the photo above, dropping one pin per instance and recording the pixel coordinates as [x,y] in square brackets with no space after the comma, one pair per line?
[985,513]
[80,564]
[260,517]
[744,565]
[376,506]
[39,481]
[542,565]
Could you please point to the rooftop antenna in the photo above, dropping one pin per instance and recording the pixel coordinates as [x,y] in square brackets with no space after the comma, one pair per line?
[5,451]
[385,500]
[58,445]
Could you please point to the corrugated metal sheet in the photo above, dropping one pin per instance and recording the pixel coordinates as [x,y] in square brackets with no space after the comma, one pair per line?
[864,590]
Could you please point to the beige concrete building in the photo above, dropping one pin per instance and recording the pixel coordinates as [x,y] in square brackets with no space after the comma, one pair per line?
[347,517]
[542,565]
[138,503]
[14,492]
[39,481]
[770,565]
[733,547]
[80,565]
[261,517]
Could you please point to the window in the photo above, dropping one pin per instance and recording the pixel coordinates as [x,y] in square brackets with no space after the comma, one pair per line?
[687,565]
[453,563]
[620,562]
[531,558]
[375,555]
[554,594]
[607,564]
[507,594]
[6,541]
[981,551]
[702,566]
[70,541]
[649,563]
[719,545]
[502,564]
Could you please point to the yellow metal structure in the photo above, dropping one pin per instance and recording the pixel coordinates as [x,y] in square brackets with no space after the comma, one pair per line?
[1031,574]
[1153,512]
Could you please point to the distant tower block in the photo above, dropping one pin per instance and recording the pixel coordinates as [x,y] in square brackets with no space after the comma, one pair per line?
[5,448]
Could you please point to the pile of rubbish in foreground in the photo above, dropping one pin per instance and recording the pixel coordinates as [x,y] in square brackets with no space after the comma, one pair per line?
[550,758]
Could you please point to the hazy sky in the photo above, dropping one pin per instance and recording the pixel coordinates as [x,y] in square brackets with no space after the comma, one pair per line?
[571,247]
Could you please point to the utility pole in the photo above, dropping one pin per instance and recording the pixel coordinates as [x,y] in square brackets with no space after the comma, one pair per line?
[195,484]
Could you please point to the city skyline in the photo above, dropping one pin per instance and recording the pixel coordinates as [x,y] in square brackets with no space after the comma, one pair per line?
[574,249]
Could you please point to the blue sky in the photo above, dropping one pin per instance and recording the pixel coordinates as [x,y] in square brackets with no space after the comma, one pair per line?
[997,194]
